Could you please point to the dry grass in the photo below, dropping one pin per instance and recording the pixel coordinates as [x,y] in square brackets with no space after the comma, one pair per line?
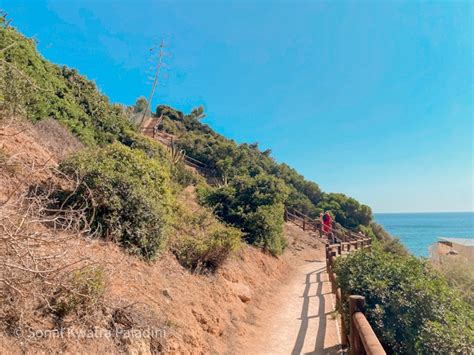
[56,138]
[34,261]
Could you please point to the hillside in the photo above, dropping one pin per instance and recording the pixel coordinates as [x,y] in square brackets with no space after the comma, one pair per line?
[162,295]
[163,262]
[105,230]
[35,88]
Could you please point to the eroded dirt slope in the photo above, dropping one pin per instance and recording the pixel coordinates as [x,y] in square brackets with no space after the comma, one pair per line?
[214,313]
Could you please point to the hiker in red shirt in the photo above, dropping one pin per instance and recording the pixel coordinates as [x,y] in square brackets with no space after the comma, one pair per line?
[327,223]
[327,227]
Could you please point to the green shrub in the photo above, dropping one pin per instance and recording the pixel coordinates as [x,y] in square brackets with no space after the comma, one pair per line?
[253,204]
[383,239]
[460,274]
[410,306]
[203,243]
[150,147]
[81,292]
[131,196]
[32,86]
[180,174]
[183,176]
[266,226]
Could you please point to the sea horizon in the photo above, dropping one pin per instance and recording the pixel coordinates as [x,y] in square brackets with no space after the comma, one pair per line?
[418,230]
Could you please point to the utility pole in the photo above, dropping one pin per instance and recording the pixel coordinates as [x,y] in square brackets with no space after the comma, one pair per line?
[155,80]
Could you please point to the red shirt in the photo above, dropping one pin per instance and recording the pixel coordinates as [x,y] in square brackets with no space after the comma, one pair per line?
[327,223]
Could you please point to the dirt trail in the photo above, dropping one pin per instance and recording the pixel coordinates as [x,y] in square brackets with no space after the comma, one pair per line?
[302,320]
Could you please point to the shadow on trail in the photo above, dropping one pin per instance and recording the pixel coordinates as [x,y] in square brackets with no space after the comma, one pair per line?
[305,317]
[314,261]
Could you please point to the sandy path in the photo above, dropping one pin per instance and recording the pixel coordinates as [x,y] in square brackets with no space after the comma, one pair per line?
[303,321]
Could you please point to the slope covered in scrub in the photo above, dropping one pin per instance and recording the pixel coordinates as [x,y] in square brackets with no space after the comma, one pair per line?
[96,293]
[33,87]
[255,188]
[230,160]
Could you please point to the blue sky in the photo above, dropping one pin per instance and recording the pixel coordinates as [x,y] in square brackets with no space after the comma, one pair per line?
[373,99]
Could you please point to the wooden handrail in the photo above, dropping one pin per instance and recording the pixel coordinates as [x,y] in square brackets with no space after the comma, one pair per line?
[302,221]
[169,140]
[362,338]
[370,341]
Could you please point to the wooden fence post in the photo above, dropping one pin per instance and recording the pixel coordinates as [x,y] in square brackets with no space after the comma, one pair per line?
[356,304]
[332,256]
[304,223]
[333,281]
[343,322]
[327,258]
[339,249]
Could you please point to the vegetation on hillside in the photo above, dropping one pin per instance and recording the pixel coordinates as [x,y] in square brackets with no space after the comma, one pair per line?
[410,306]
[255,205]
[235,163]
[32,86]
[201,242]
[129,196]
[130,184]
[460,275]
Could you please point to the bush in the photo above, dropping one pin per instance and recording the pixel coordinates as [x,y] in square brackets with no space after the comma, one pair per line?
[386,240]
[253,204]
[32,86]
[180,174]
[203,243]
[184,176]
[266,226]
[131,196]
[81,293]
[460,274]
[410,306]
[150,147]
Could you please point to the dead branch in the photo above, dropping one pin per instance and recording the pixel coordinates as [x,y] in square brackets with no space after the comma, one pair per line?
[35,235]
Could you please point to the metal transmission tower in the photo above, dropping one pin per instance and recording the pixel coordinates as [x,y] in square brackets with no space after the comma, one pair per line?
[159,63]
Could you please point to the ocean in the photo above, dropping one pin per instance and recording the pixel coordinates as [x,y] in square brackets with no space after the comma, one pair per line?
[417,231]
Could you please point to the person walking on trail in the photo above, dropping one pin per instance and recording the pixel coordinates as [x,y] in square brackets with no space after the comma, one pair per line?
[327,225]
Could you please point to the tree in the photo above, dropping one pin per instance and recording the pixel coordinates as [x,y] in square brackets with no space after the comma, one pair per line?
[140,105]
[197,113]
[254,204]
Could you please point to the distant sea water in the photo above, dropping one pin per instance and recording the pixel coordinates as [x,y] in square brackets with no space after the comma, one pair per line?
[417,231]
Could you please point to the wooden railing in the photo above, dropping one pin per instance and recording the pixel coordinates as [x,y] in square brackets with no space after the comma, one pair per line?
[341,241]
[169,141]
[303,221]
[362,338]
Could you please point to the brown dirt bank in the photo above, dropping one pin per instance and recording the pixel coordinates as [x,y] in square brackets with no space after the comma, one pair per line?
[194,313]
